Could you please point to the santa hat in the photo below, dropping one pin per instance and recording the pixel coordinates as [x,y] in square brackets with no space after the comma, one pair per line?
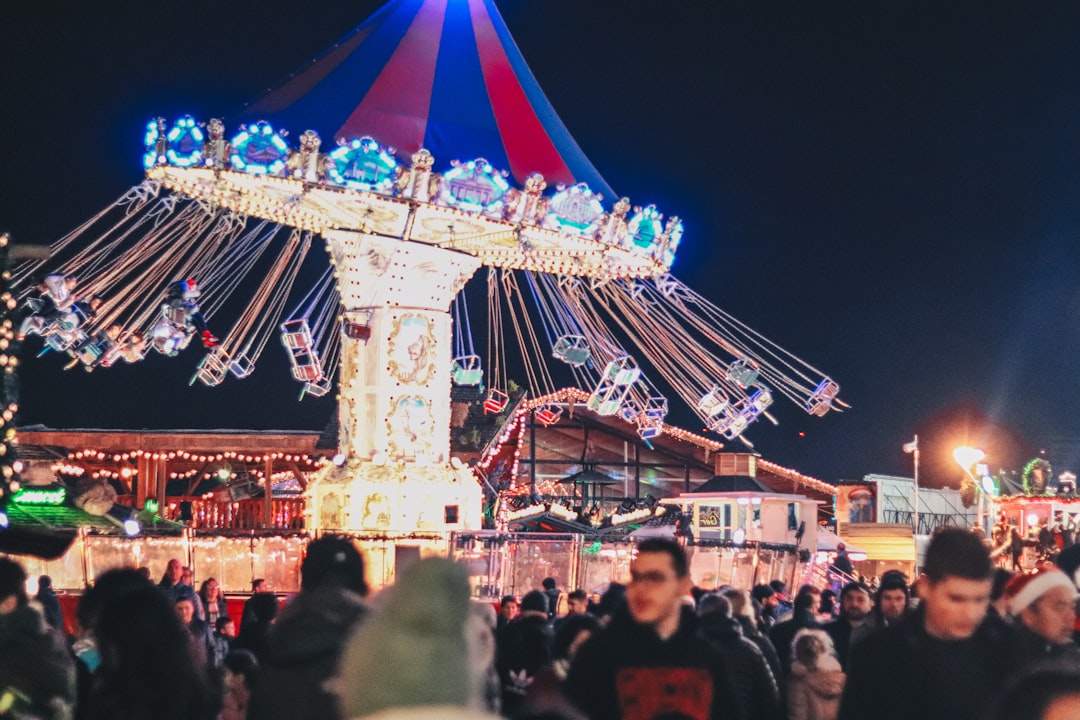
[1025,589]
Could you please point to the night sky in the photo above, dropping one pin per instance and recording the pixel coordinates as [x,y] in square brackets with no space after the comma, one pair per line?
[889,190]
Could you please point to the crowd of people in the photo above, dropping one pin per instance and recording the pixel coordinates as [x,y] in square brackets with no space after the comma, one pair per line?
[965,640]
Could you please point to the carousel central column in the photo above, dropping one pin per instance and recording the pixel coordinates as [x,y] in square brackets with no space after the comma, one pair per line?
[394,402]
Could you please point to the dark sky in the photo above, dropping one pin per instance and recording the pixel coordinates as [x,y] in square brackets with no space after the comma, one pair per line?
[889,190]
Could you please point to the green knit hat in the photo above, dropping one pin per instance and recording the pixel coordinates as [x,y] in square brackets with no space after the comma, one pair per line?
[412,651]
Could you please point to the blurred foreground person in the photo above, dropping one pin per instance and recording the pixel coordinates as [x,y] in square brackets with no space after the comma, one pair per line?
[418,656]
[303,647]
[754,682]
[1045,695]
[652,662]
[941,662]
[1043,604]
[37,673]
[147,668]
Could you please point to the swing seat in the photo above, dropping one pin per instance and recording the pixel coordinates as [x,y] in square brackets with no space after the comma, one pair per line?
[656,408]
[496,402]
[760,401]
[355,330]
[306,368]
[712,403]
[820,401]
[296,335]
[90,353]
[629,411]
[241,366]
[58,341]
[318,388]
[548,415]
[743,373]
[572,350]
[213,368]
[178,316]
[622,371]
[651,430]
[466,371]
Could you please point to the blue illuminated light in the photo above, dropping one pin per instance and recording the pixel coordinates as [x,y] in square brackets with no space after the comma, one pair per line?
[184,143]
[4,521]
[150,158]
[645,229]
[259,150]
[474,187]
[575,211]
[362,164]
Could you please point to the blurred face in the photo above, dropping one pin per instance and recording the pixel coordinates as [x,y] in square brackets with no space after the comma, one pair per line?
[1064,708]
[174,570]
[1052,616]
[954,605]
[186,610]
[185,575]
[655,593]
[212,590]
[893,604]
[856,605]
[229,630]
[510,610]
[577,606]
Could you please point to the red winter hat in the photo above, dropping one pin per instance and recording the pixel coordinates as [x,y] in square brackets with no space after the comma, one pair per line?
[1024,589]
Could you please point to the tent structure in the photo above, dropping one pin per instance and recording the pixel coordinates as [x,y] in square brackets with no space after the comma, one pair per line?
[444,75]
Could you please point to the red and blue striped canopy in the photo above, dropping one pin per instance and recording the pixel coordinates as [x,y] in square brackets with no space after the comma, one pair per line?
[439,74]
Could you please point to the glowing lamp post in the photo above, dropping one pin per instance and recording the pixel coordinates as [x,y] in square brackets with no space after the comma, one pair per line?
[967,458]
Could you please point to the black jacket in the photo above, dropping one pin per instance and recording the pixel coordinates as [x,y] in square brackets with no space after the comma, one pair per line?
[754,683]
[626,672]
[302,652]
[783,633]
[522,650]
[902,673]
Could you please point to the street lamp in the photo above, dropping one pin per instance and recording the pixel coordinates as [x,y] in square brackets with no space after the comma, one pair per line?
[967,457]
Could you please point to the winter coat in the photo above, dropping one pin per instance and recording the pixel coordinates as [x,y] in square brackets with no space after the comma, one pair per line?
[754,682]
[783,633]
[303,648]
[764,644]
[902,673]
[36,664]
[523,649]
[50,608]
[627,672]
[815,694]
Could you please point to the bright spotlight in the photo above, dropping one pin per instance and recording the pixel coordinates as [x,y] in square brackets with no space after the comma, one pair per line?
[338,459]
[739,536]
[132,527]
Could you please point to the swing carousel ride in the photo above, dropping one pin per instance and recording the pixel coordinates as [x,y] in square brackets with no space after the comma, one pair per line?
[428,182]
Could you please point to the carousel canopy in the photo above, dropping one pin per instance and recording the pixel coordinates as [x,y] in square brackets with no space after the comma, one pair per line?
[440,74]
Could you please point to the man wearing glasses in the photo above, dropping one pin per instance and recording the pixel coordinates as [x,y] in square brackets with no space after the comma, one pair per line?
[651,661]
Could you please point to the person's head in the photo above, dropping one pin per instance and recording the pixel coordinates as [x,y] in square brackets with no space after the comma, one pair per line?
[714,604]
[210,590]
[174,571]
[778,587]
[892,597]
[659,580]
[44,582]
[12,586]
[765,596]
[1045,603]
[577,603]
[509,607]
[612,601]
[807,601]
[225,626]
[242,666]
[828,601]
[548,583]
[810,645]
[841,547]
[186,575]
[954,589]
[264,608]
[259,586]
[108,586]
[185,610]
[333,561]
[535,602]
[1049,694]
[855,602]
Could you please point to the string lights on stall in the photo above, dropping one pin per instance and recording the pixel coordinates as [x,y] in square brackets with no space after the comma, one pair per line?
[10,466]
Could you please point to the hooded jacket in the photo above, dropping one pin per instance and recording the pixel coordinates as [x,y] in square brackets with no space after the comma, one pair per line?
[814,694]
[753,680]
[302,652]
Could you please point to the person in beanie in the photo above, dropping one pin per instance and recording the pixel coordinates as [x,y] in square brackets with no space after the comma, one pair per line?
[37,672]
[1044,606]
[416,657]
[303,647]
[523,650]
[941,662]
